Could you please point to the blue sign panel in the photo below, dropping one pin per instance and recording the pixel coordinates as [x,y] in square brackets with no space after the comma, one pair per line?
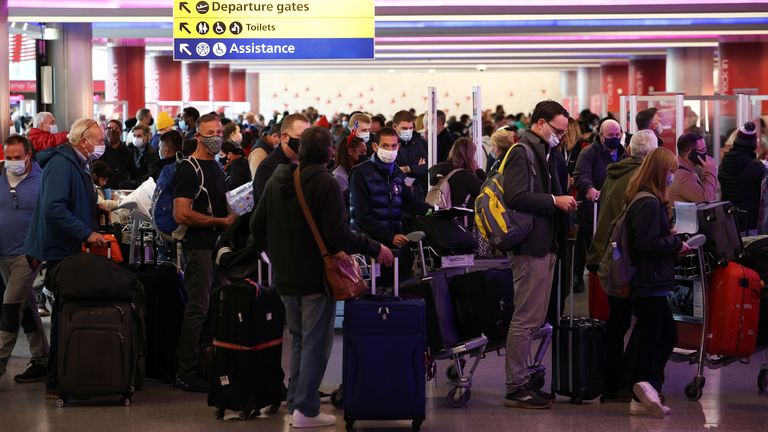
[273,49]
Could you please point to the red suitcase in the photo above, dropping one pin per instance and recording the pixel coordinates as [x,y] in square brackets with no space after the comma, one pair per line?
[598,299]
[734,303]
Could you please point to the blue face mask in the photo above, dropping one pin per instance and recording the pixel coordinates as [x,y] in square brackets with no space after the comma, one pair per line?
[406,135]
[345,123]
[183,126]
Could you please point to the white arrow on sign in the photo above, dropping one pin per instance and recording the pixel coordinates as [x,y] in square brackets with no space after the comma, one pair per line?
[184,48]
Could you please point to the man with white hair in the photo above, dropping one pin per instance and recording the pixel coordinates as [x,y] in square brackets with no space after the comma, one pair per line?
[589,177]
[65,213]
[45,133]
[618,374]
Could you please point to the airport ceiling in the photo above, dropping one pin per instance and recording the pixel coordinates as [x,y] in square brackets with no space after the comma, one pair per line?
[456,34]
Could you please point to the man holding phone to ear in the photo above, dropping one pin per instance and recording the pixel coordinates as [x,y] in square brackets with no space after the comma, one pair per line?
[696,179]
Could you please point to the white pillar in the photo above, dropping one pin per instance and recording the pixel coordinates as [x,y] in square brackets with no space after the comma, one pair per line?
[71,56]
[690,70]
[588,84]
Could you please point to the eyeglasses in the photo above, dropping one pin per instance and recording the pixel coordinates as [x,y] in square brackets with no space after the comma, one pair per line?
[14,197]
[558,132]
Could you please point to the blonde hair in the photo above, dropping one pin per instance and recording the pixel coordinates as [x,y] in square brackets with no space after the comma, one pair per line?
[79,128]
[572,135]
[359,118]
[503,139]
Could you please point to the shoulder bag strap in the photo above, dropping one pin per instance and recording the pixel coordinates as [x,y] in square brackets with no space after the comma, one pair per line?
[307,213]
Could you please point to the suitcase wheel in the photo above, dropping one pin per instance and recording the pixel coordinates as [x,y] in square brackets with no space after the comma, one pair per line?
[219,414]
[416,424]
[694,389]
[127,401]
[458,397]
[337,397]
[761,380]
[61,401]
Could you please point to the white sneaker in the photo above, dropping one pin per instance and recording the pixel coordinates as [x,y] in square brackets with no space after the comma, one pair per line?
[649,397]
[302,421]
[636,408]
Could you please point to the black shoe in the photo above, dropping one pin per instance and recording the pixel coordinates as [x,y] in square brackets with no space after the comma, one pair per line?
[191,383]
[526,398]
[550,396]
[36,372]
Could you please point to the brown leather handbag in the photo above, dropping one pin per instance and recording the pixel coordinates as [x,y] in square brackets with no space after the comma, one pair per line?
[342,272]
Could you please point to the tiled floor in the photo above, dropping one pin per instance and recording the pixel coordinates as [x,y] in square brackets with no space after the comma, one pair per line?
[731,402]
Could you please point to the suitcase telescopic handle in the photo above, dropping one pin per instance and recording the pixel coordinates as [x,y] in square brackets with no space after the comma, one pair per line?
[109,249]
[396,274]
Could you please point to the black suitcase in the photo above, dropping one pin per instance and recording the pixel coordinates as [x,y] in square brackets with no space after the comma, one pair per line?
[484,303]
[101,329]
[446,236]
[99,350]
[578,356]
[756,258]
[442,330]
[384,358]
[248,344]
[718,222]
[165,300]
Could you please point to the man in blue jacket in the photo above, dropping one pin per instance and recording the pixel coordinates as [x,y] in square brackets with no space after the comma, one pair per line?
[65,215]
[20,180]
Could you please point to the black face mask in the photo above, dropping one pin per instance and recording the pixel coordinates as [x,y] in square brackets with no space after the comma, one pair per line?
[612,143]
[293,144]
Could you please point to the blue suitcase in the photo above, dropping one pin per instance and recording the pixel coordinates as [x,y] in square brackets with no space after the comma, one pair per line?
[384,356]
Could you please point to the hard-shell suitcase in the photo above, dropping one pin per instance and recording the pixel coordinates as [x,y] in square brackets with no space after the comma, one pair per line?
[598,300]
[101,329]
[578,356]
[718,222]
[384,358]
[442,330]
[248,340]
[484,303]
[734,303]
[599,308]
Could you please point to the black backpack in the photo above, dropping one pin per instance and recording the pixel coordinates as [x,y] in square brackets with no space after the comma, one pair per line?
[233,256]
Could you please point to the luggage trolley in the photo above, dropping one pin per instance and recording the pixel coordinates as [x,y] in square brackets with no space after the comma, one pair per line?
[691,310]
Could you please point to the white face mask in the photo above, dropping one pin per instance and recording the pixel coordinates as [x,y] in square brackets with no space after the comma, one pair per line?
[53,128]
[386,156]
[16,168]
[553,139]
[670,179]
[98,150]
[406,135]
[365,136]
[139,143]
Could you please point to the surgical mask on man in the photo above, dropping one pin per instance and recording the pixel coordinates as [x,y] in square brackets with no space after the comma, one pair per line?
[183,126]
[15,167]
[612,143]
[386,156]
[139,143]
[212,144]
[406,135]
[553,141]
[345,123]
[365,136]
[53,128]
[98,150]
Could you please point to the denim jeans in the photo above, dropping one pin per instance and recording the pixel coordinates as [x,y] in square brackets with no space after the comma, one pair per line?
[310,323]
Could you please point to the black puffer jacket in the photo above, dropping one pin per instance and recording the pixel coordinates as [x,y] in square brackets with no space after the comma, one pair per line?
[740,176]
[653,248]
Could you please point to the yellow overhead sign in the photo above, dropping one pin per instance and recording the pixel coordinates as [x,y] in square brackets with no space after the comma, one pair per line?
[273,9]
[235,28]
